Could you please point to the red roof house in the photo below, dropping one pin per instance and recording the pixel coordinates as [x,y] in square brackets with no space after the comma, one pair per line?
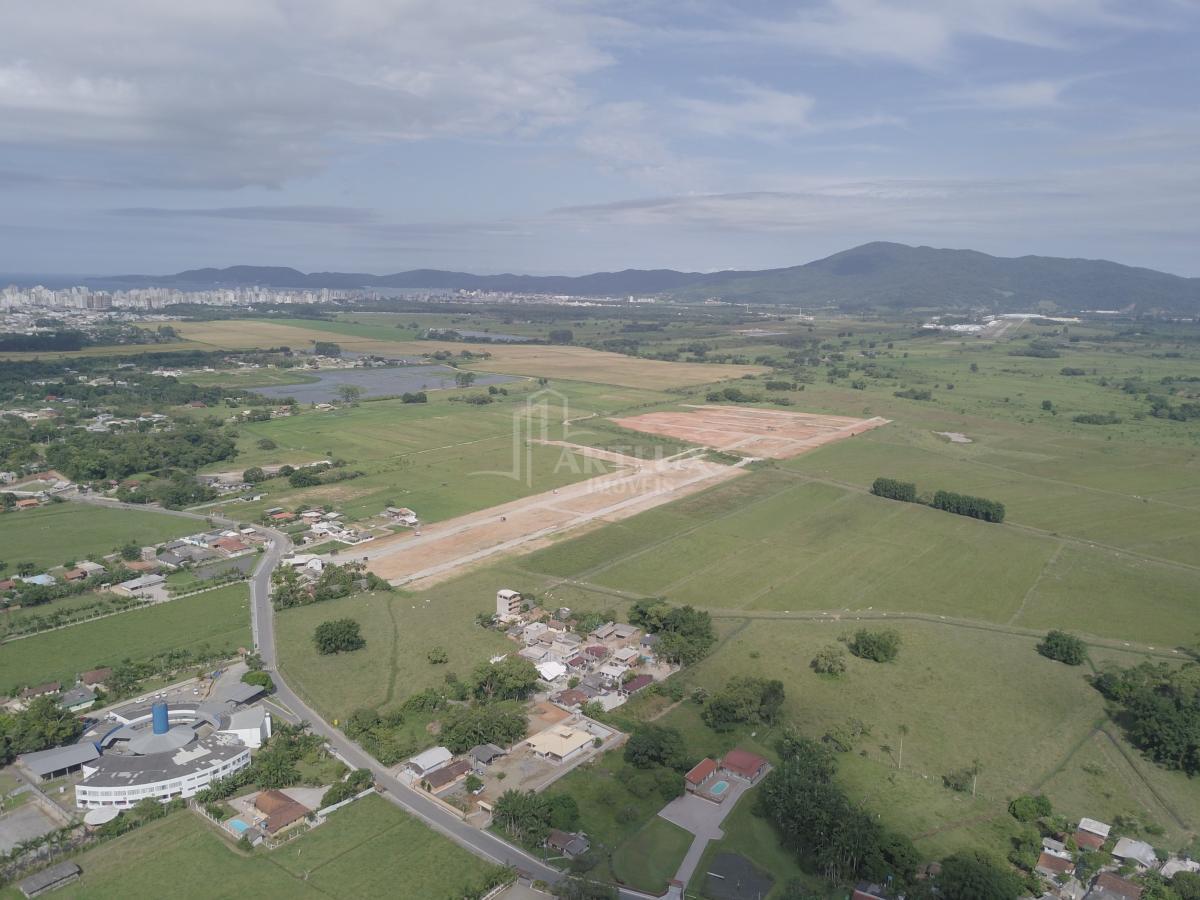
[701,771]
[744,764]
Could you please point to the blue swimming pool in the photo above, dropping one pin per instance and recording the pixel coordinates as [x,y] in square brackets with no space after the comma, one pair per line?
[719,788]
[239,826]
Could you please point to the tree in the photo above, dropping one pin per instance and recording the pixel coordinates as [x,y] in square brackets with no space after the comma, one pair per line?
[744,699]
[326,348]
[892,489]
[464,379]
[561,336]
[254,475]
[880,646]
[830,660]
[1064,647]
[302,478]
[130,552]
[338,636]
[274,768]
[1027,808]
[349,393]
[266,444]
[512,678]
[464,727]
[973,875]
[657,745]
[261,678]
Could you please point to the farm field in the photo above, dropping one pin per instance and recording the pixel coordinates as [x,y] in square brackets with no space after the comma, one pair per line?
[219,619]
[363,850]
[566,362]
[60,532]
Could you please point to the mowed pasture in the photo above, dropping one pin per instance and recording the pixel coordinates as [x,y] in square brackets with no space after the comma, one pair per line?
[400,629]
[363,850]
[540,360]
[62,532]
[218,619]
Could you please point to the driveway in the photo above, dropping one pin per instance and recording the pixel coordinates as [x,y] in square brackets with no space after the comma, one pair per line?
[703,819]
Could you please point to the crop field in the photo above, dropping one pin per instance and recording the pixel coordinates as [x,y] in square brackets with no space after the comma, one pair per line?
[62,532]
[363,850]
[219,619]
[565,362]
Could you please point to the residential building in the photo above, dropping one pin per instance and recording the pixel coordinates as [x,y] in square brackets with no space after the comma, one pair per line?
[1053,866]
[560,743]
[635,684]
[1138,852]
[1110,886]
[744,764]
[429,761]
[483,755]
[508,604]
[280,810]
[437,781]
[568,844]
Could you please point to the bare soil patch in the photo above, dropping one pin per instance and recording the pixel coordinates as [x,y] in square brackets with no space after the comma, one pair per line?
[750,430]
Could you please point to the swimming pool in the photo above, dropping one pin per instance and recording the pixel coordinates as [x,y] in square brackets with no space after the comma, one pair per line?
[239,826]
[719,788]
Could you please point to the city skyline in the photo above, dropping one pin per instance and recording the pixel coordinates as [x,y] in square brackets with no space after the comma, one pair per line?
[548,139]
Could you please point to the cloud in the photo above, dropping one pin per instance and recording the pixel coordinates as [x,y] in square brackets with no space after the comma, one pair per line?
[929,33]
[1103,201]
[333,215]
[253,92]
[1044,93]
[752,108]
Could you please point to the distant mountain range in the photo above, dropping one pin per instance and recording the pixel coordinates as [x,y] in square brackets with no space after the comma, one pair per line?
[880,274]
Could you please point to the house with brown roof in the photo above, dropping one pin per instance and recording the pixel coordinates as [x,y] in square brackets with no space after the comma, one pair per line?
[744,764]
[1052,866]
[635,684]
[571,697]
[96,677]
[230,545]
[28,503]
[280,810]
[568,844]
[447,775]
[700,773]
[40,690]
[1110,886]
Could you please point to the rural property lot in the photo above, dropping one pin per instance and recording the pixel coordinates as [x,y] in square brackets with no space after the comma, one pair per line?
[546,361]
[443,549]
[52,535]
[755,432]
[365,850]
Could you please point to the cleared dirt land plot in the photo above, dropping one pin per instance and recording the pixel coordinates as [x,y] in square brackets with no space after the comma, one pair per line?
[574,363]
[520,526]
[755,432]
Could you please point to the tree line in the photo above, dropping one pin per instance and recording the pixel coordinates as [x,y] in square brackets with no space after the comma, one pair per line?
[948,501]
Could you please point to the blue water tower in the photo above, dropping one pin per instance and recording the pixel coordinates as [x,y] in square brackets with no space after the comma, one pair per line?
[159,718]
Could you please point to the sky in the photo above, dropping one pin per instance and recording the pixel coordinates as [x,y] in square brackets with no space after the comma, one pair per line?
[141,136]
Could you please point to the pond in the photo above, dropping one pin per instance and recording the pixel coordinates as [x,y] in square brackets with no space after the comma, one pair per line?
[375,382]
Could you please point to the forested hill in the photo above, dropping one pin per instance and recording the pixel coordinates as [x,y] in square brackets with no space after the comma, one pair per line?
[879,274]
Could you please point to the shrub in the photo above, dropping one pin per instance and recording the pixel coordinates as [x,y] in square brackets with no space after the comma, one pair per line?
[1066,648]
[880,646]
[830,660]
[1027,808]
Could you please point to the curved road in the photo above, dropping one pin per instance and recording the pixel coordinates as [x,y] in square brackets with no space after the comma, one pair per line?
[262,624]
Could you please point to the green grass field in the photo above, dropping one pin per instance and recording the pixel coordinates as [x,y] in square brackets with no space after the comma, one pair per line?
[440,458]
[218,619]
[365,850]
[62,532]
[650,858]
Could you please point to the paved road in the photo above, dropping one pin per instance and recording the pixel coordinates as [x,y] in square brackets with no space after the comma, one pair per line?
[262,624]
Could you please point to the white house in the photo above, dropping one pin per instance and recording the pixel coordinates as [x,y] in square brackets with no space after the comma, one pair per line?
[252,726]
